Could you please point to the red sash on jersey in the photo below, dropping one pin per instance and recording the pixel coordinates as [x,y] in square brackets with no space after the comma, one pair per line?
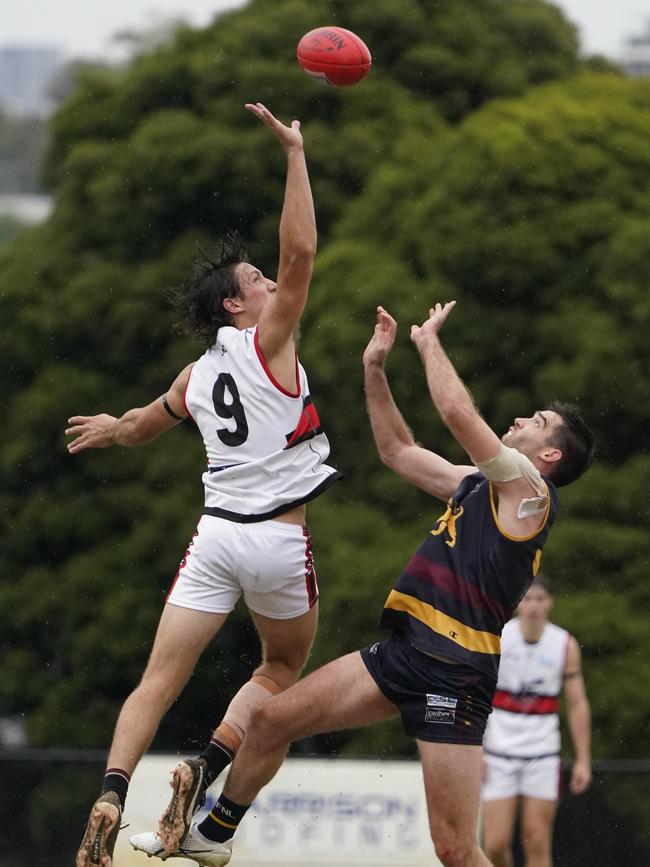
[534,704]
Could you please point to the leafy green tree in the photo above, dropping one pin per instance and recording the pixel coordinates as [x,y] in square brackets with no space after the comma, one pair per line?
[531,213]
[453,168]
[9,228]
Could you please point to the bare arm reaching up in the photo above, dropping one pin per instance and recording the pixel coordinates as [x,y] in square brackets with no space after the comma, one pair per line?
[297,244]
[471,431]
[393,437]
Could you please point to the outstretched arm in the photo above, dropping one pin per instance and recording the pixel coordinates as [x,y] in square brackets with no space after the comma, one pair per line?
[395,443]
[297,241]
[579,718]
[137,427]
[450,397]
[458,412]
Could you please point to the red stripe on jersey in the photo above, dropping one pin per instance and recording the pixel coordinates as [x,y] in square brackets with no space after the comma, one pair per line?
[455,585]
[309,423]
[533,704]
[310,570]
[260,355]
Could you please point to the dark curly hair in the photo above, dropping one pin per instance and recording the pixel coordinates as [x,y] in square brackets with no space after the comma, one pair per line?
[576,442]
[198,301]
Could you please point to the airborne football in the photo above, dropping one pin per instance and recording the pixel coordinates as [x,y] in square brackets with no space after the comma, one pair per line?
[322,524]
[334,55]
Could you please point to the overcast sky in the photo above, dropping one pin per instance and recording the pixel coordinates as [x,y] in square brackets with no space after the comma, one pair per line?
[85,27]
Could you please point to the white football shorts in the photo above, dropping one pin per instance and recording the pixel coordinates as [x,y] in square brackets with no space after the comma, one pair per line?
[506,777]
[269,562]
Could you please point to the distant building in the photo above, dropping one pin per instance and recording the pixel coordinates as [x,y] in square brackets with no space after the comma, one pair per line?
[25,207]
[636,57]
[26,72]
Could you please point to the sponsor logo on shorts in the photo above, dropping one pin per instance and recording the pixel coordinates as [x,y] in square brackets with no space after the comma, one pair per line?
[441,701]
[435,715]
[374,647]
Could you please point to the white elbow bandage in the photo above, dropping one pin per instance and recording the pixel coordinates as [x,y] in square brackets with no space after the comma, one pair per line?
[510,464]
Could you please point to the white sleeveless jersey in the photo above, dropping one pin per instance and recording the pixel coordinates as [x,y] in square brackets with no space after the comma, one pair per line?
[265,446]
[525,722]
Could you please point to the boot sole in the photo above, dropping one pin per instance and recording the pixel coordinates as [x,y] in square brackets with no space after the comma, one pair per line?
[175,821]
[93,851]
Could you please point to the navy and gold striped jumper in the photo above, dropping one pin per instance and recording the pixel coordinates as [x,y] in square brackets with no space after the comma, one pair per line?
[465,580]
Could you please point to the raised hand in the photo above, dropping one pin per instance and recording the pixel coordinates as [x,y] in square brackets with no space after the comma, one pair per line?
[432,325]
[382,339]
[290,137]
[91,432]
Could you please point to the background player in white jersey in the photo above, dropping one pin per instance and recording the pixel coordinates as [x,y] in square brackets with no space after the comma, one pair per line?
[522,739]
[250,399]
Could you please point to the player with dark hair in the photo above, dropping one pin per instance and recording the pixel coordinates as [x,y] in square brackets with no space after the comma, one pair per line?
[199,300]
[438,669]
[539,660]
[574,440]
[250,399]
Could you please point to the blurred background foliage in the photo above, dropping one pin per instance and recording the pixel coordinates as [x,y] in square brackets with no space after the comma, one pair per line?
[481,160]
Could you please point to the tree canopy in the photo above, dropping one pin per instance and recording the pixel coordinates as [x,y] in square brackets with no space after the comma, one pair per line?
[479,160]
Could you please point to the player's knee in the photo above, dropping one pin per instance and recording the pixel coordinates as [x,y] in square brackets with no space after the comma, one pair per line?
[497,853]
[284,670]
[495,845]
[266,722]
[536,841]
[453,852]
[159,687]
[283,674]
[292,673]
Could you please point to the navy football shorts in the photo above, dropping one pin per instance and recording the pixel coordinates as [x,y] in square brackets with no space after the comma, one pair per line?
[438,701]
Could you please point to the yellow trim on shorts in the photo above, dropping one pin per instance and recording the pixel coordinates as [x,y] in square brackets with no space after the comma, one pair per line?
[471,639]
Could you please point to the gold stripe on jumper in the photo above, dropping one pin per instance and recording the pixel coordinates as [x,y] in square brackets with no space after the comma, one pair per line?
[471,639]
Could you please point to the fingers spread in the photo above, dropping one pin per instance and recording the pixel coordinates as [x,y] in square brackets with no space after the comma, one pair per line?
[259,111]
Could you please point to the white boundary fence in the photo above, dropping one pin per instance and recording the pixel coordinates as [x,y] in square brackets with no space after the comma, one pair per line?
[315,812]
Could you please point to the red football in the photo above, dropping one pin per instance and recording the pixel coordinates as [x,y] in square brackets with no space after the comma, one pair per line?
[334,55]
